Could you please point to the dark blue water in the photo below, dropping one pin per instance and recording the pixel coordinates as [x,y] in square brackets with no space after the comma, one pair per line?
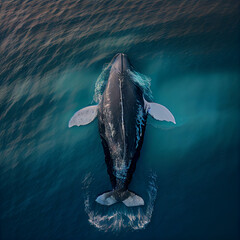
[52,53]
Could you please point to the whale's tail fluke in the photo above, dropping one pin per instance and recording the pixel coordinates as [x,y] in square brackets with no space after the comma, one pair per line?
[130,199]
[133,200]
[106,198]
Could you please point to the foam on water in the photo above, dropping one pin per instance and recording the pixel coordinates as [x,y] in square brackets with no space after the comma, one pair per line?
[101,83]
[118,216]
[143,81]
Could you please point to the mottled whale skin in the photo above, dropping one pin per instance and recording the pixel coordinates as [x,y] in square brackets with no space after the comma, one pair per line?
[122,115]
[121,121]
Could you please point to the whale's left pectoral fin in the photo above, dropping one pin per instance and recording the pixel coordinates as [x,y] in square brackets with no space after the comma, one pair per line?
[83,116]
[159,112]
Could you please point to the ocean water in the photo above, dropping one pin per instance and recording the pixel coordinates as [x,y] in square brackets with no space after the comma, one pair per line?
[53,56]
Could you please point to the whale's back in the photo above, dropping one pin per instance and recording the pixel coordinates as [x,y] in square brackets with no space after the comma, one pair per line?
[121,125]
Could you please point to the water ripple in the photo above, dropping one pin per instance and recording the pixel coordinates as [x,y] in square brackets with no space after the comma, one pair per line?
[118,217]
[37,37]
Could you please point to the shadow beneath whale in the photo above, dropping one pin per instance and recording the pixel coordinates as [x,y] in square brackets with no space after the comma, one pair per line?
[118,217]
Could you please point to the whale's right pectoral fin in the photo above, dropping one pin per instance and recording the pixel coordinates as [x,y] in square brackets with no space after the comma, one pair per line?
[83,116]
[159,112]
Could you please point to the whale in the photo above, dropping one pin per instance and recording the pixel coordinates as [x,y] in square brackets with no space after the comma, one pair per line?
[122,116]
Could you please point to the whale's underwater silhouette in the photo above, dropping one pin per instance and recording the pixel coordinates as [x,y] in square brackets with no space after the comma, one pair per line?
[122,115]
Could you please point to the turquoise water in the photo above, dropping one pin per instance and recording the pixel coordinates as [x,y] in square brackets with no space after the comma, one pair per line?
[53,52]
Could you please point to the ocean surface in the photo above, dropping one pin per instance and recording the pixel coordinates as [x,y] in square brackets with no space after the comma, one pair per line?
[53,54]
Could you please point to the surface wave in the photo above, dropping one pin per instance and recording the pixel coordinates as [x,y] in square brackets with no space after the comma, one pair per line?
[119,217]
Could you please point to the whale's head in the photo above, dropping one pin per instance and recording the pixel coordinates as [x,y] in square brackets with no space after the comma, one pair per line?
[120,63]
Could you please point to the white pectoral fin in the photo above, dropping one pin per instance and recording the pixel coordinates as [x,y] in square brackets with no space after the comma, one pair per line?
[159,112]
[83,116]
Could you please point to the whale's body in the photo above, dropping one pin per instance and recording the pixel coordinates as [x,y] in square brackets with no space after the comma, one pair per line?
[121,120]
[122,115]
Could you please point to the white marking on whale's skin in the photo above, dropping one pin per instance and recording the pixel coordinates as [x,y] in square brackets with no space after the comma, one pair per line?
[139,124]
[120,167]
[123,127]
[121,172]
[113,132]
[107,94]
